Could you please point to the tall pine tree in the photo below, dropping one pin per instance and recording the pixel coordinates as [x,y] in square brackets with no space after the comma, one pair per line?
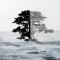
[24,24]
[28,26]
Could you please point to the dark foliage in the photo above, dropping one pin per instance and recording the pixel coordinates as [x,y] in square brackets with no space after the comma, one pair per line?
[24,21]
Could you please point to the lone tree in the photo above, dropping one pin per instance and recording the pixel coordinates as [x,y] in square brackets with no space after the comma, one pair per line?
[29,22]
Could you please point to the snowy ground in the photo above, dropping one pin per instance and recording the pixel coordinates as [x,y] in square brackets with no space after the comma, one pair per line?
[14,49]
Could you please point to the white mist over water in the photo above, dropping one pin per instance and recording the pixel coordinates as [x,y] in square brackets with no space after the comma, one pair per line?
[40,36]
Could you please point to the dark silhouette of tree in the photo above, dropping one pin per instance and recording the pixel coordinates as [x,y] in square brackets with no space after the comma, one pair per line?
[24,24]
[29,22]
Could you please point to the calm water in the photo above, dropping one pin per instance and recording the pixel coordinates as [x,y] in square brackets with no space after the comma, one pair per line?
[14,49]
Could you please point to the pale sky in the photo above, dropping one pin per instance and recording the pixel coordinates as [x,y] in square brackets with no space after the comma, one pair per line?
[9,9]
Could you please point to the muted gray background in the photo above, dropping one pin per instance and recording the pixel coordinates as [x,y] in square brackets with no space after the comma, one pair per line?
[9,9]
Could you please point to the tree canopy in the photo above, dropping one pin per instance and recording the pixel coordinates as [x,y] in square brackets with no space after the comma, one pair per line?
[23,20]
[28,23]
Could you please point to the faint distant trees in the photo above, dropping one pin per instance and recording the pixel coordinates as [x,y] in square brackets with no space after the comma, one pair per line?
[28,23]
